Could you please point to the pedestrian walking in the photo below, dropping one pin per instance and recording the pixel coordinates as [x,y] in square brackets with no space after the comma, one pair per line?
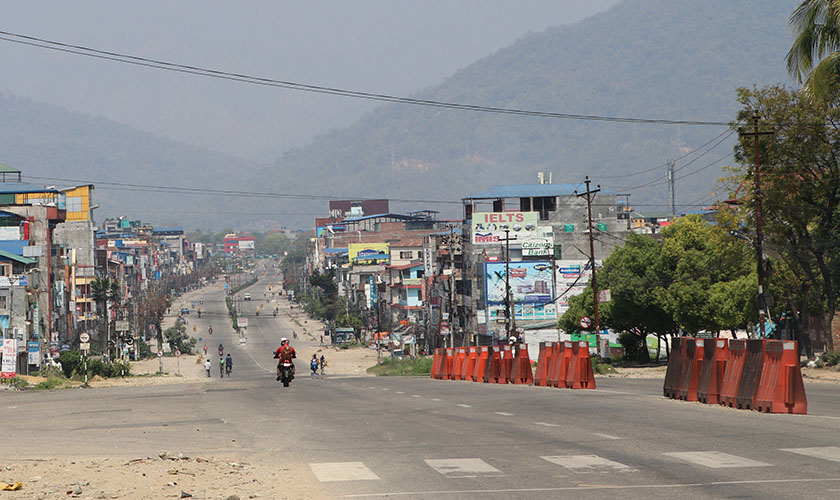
[323,363]
[221,367]
[322,339]
[207,365]
[228,365]
[205,350]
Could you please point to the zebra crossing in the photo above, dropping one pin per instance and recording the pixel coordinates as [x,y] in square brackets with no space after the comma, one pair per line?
[574,464]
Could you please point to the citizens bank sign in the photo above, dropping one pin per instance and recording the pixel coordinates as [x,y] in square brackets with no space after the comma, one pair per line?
[490,227]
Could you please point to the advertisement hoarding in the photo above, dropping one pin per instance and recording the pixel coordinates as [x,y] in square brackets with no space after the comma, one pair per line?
[8,369]
[530,282]
[368,253]
[571,278]
[489,227]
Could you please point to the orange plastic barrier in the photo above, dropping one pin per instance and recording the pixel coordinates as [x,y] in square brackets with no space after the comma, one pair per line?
[675,364]
[481,363]
[460,355]
[543,361]
[448,361]
[751,375]
[715,358]
[468,365]
[506,364]
[691,369]
[781,389]
[558,369]
[732,376]
[522,373]
[437,363]
[580,374]
[494,361]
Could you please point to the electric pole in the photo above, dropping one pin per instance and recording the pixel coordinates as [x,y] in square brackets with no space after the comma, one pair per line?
[590,194]
[510,321]
[759,249]
[452,307]
[672,188]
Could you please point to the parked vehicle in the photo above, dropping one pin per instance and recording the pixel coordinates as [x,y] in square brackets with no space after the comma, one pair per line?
[185,310]
[246,296]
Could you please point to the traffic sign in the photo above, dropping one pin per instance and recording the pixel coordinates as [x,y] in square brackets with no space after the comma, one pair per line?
[585,322]
[177,353]
[84,337]
[84,346]
[160,354]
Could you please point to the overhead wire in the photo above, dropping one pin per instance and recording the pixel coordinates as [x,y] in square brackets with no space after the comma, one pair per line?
[290,85]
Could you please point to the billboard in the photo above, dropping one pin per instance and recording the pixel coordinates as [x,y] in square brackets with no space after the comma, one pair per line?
[489,227]
[246,244]
[530,282]
[571,278]
[368,253]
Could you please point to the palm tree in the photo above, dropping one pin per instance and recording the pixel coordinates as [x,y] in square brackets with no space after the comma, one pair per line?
[816,24]
[104,290]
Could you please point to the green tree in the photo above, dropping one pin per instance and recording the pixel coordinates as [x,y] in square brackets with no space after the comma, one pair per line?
[814,57]
[274,244]
[800,184]
[105,291]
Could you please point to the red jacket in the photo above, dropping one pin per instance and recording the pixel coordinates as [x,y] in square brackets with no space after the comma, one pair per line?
[279,351]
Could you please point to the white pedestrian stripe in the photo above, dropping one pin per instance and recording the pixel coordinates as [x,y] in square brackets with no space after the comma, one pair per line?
[716,459]
[606,436]
[463,467]
[342,471]
[825,452]
[586,464]
[503,414]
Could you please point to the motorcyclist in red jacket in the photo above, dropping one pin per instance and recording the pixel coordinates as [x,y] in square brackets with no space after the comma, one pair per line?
[283,353]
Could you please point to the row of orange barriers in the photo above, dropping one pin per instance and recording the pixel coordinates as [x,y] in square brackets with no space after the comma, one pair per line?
[762,375]
[488,364]
[565,364]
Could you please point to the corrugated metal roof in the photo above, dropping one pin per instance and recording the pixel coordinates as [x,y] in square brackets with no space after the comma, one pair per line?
[11,256]
[528,191]
[24,187]
[390,216]
[335,250]
[5,169]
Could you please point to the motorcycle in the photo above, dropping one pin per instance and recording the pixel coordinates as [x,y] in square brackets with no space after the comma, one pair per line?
[286,373]
[275,313]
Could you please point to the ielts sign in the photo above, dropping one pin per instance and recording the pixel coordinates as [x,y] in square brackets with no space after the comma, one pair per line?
[490,227]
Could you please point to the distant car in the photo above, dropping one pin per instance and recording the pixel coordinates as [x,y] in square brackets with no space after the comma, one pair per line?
[185,310]
[398,354]
[247,296]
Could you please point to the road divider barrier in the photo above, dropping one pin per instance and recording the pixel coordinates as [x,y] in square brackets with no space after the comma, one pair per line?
[469,363]
[546,348]
[481,363]
[437,363]
[460,356]
[521,372]
[756,374]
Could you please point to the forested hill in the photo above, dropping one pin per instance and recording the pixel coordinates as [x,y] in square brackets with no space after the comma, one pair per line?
[49,143]
[671,59]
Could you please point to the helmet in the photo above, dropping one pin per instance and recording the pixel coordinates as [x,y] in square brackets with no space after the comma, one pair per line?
[284,340]
[512,339]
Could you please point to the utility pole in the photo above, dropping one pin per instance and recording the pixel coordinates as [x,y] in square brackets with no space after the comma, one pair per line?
[589,194]
[671,187]
[510,312]
[452,307]
[759,249]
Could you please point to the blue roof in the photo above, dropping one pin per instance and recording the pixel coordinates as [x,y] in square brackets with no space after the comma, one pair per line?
[24,187]
[171,230]
[335,250]
[14,246]
[528,191]
[390,215]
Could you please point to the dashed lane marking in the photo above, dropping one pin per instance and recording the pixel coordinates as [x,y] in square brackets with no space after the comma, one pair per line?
[586,464]
[400,392]
[436,399]
[546,424]
[504,414]
[716,459]
[463,467]
[605,436]
[464,406]
[342,471]
[416,396]
[825,452]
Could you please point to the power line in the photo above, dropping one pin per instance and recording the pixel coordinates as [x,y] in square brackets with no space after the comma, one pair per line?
[290,85]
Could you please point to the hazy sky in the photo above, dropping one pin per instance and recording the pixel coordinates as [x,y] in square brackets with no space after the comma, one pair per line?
[388,46]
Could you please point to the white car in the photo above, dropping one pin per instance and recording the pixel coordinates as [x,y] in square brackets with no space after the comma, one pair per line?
[247,296]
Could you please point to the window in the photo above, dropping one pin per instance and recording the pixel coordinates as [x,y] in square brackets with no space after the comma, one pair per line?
[405,255]
[5,270]
[3,302]
[74,204]
[544,205]
[419,254]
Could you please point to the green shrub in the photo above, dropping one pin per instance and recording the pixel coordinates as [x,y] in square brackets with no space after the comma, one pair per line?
[71,363]
[403,367]
[600,368]
[52,382]
[635,347]
[831,358]
[819,363]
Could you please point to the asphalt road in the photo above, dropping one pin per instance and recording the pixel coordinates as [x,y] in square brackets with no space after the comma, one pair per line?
[423,439]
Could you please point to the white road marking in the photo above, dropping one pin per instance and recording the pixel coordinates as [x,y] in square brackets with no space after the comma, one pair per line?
[436,399]
[585,464]
[371,387]
[825,452]
[606,436]
[385,389]
[590,487]
[716,459]
[400,392]
[342,471]
[416,396]
[462,467]
[546,424]
[464,406]
[503,414]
